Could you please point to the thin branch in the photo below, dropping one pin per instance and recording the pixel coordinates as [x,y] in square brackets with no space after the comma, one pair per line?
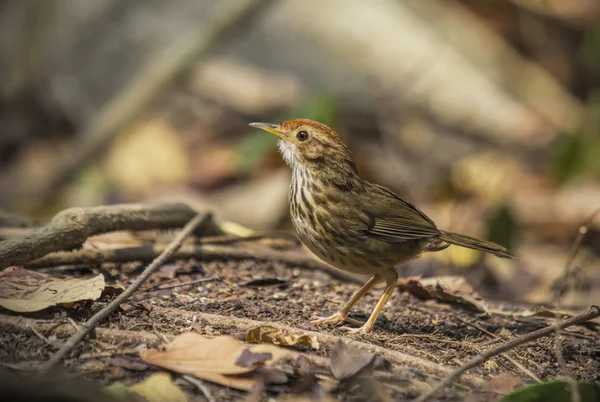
[70,228]
[581,233]
[112,306]
[200,385]
[165,286]
[207,252]
[515,363]
[563,283]
[108,335]
[591,313]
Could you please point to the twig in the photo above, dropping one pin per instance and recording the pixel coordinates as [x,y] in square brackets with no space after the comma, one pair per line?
[206,252]
[108,335]
[42,337]
[73,323]
[505,355]
[583,230]
[178,285]
[200,385]
[230,239]
[70,228]
[325,340]
[111,307]
[591,313]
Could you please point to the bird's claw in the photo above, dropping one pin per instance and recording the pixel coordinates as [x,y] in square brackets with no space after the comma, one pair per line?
[334,319]
[365,329]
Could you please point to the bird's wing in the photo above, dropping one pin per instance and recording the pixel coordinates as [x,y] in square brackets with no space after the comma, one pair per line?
[395,220]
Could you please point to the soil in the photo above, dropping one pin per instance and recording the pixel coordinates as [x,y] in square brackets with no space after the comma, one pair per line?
[448,335]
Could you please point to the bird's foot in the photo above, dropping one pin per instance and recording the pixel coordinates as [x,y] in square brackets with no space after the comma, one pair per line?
[334,319]
[365,329]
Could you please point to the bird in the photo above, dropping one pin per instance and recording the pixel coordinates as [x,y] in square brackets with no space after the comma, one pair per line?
[353,224]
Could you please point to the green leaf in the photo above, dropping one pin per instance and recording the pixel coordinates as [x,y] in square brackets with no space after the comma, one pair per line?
[554,391]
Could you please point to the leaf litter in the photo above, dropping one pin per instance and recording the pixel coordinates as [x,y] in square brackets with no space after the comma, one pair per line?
[223,359]
[276,336]
[451,288]
[23,291]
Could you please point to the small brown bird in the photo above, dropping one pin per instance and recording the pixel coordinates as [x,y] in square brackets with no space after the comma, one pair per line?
[352,224]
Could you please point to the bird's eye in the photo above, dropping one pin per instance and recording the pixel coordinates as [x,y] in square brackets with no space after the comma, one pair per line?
[302,136]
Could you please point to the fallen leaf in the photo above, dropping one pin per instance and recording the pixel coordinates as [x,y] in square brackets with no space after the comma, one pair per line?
[454,289]
[168,271]
[274,335]
[26,291]
[159,387]
[212,359]
[348,361]
[500,385]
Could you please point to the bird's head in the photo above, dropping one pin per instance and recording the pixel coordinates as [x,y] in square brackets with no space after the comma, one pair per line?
[309,144]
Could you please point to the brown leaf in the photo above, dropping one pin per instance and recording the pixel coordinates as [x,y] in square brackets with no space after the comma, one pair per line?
[274,335]
[212,359]
[25,291]
[348,361]
[453,289]
[503,384]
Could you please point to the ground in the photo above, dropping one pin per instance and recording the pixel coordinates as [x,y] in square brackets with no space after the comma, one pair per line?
[448,335]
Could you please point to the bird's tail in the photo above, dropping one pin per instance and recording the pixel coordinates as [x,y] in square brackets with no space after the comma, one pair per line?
[476,244]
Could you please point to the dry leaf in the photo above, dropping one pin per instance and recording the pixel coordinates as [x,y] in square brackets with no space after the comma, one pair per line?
[348,361]
[159,387]
[503,384]
[454,289]
[212,359]
[271,334]
[26,291]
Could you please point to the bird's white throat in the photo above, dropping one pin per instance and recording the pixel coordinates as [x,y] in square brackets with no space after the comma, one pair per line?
[288,151]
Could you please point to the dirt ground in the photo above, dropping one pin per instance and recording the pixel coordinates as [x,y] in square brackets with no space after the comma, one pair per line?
[448,335]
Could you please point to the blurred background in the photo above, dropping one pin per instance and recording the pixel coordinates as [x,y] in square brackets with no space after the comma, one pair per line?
[483,113]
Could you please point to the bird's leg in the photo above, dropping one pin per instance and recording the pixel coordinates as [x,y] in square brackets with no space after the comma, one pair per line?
[391,281]
[343,312]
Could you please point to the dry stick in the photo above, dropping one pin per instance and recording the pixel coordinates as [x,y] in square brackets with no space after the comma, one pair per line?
[70,228]
[112,306]
[504,355]
[591,313]
[60,330]
[200,385]
[205,252]
[583,230]
[178,285]
[157,74]
[326,340]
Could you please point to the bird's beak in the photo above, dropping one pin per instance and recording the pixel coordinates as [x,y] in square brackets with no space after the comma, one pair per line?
[274,129]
